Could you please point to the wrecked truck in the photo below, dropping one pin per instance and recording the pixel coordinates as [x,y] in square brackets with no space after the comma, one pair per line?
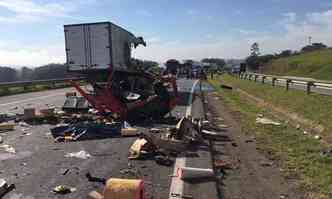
[101,52]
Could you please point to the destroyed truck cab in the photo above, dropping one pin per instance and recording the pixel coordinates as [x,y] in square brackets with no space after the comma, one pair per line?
[101,52]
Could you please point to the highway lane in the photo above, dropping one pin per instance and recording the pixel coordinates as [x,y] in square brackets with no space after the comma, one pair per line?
[39,163]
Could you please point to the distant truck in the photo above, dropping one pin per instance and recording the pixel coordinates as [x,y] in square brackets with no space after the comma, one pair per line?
[98,46]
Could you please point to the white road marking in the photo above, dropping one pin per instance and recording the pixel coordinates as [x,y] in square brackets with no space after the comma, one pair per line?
[31,99]
[177,183]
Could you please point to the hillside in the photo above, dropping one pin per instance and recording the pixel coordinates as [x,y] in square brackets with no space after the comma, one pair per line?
[317,64]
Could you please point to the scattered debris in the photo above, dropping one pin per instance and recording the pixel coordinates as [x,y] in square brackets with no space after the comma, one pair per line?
[137,148]
[305,133]
[8,148]
[317,137]
[5,188]
[326,153]
[1,140]
[132,172]
[177,195]
[223,126]
[47,112]
[75,104]
[127,130]
[215,136]
[260,115]
[163,160]
[251,139]
[266,163]
[63,189]
[95,179]
[267,121]
[283,196]
[225,165]
[85,130]
[121,188]
[81,154]
[29,113]
[234,144]
[64,171]
[7,126]
[71,94]
[224,86]
[188,173]
[298,126]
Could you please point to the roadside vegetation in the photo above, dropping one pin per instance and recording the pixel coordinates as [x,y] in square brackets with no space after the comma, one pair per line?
[299,156]
[20,90]
[316,64]
[314,107]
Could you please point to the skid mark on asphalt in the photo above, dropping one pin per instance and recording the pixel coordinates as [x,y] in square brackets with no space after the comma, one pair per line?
[177,184]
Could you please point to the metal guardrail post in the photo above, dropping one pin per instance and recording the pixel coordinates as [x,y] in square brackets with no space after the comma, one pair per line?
[309,84]
[274,81]
[288,81]
[256,76]
[250,77]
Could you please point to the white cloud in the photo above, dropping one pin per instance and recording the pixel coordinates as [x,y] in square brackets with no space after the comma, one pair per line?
[15,54]
[31,11]
[290,17]
[295,35]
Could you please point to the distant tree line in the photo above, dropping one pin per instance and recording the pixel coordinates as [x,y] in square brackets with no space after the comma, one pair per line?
[255,59]
[50,71]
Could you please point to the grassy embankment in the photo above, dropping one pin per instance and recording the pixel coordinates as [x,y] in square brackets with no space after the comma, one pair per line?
[299,155]
[18,90]
[317,64]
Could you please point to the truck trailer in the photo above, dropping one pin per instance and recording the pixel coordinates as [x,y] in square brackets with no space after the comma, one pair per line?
[102,53]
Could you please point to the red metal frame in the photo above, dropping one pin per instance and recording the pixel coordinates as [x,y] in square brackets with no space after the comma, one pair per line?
[104,101]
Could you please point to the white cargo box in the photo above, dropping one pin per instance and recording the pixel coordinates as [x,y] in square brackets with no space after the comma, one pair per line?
[97,46]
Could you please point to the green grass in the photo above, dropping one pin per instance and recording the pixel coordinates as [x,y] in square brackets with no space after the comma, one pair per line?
[317,64]
[35,88]
[298,155]
[315,107]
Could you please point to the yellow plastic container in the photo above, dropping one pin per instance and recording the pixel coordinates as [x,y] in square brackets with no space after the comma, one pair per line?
[124,189]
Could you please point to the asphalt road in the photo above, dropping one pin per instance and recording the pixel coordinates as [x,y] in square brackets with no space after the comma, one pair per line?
[39,163]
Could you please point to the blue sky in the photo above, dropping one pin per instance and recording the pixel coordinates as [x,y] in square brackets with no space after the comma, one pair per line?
[32,30]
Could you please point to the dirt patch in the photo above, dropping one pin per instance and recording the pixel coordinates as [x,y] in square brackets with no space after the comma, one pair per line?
[253,175]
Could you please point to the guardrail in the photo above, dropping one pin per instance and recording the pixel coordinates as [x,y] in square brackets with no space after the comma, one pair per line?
[308,84]
[25,84]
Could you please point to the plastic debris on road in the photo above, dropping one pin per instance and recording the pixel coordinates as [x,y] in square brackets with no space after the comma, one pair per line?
[7,126]
[8,148]
[188,173]
[81,154]
[5,188]
[63,189]
[136,148]
[266,121]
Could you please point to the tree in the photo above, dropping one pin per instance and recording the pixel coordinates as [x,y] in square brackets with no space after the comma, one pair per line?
[50,71]
[255,49]
[314,46]
[8,74]
[139,64]
[220,63]
[286,53]
[26,74]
